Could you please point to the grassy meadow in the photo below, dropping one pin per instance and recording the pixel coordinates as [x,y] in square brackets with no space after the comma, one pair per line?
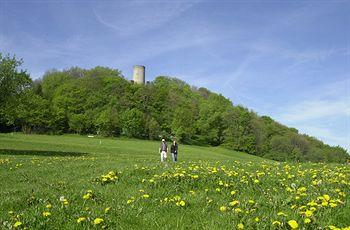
[77,182]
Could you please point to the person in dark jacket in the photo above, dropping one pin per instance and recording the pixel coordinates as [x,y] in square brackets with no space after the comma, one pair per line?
[173,150]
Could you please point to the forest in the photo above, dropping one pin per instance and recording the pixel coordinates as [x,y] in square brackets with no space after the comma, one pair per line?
[101,101]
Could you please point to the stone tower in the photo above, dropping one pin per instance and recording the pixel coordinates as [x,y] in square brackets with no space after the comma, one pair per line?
[139,74]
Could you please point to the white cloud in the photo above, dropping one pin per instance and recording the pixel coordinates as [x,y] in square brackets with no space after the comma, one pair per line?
[134,17]
[315,115]
[315,109]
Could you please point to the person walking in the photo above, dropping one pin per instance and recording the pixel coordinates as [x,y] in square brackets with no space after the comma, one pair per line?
[173,150]
[163,150]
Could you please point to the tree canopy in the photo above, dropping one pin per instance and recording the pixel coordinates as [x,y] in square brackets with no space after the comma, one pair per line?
[101,101]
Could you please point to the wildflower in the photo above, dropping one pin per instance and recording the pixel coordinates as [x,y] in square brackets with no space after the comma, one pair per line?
[181,203]
[48,206]
[276,222]
[238,210]
[98,221]
[240,226]
[87,196]
[145,196]
[251,201]
[81,219]
[257,219]
[326,197]
[333,205]
[256,181]
[307,220]
[293,224]
[17,224]
[281,214]
[233,203]
[107,209]
[308,213]
[233,192]
[223,208]
[46,214]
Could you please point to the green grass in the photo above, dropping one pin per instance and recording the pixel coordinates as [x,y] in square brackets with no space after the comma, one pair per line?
[36,170]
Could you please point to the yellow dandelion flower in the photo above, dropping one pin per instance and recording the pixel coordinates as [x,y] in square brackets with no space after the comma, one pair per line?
[46,214]
[308,213]
[307,220]
[276,222]
[233,192]
[107,209]
[48,206]
[145,196]
[333,205]
[98,221]
[238,210]
[87,196]
[182,203]
[293,224]
[240,226]
[223,208]
[17,224]
[251,201]
[257,219]
[234,202]
[256,181]
[81,219]
[281,214]
[326,197]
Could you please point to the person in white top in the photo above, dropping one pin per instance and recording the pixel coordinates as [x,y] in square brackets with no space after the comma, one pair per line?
[163,150]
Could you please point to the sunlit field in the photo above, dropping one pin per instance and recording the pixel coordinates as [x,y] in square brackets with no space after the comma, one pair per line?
[75,182]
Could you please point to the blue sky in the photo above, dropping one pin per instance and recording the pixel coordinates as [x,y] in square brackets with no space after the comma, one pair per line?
[286,59]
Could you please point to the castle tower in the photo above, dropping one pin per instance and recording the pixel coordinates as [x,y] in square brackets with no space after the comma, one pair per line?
[139,74]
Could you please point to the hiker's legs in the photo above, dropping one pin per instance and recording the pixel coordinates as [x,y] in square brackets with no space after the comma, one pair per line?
[163,156]
[175,157]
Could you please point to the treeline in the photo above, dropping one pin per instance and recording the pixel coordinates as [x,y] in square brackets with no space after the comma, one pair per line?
[101,101]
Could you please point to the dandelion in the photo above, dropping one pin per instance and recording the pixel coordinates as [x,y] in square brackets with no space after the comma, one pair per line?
[87,196]
[281,214]
[276,222]
[233,193]
[256,181]
[333,205]
[308,213]
[307,220]
[293,224]
[17,224]
[233,203]
[48,206]
[98,221]
[240,226]
[257,219]
[46,214]
[145,196]
[223,208]
[181,203]
[107,209]
[81,219]
[238,210]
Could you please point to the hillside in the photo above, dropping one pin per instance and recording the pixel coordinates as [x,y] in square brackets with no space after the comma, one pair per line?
[127,150]
[76,182]
[101,101]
